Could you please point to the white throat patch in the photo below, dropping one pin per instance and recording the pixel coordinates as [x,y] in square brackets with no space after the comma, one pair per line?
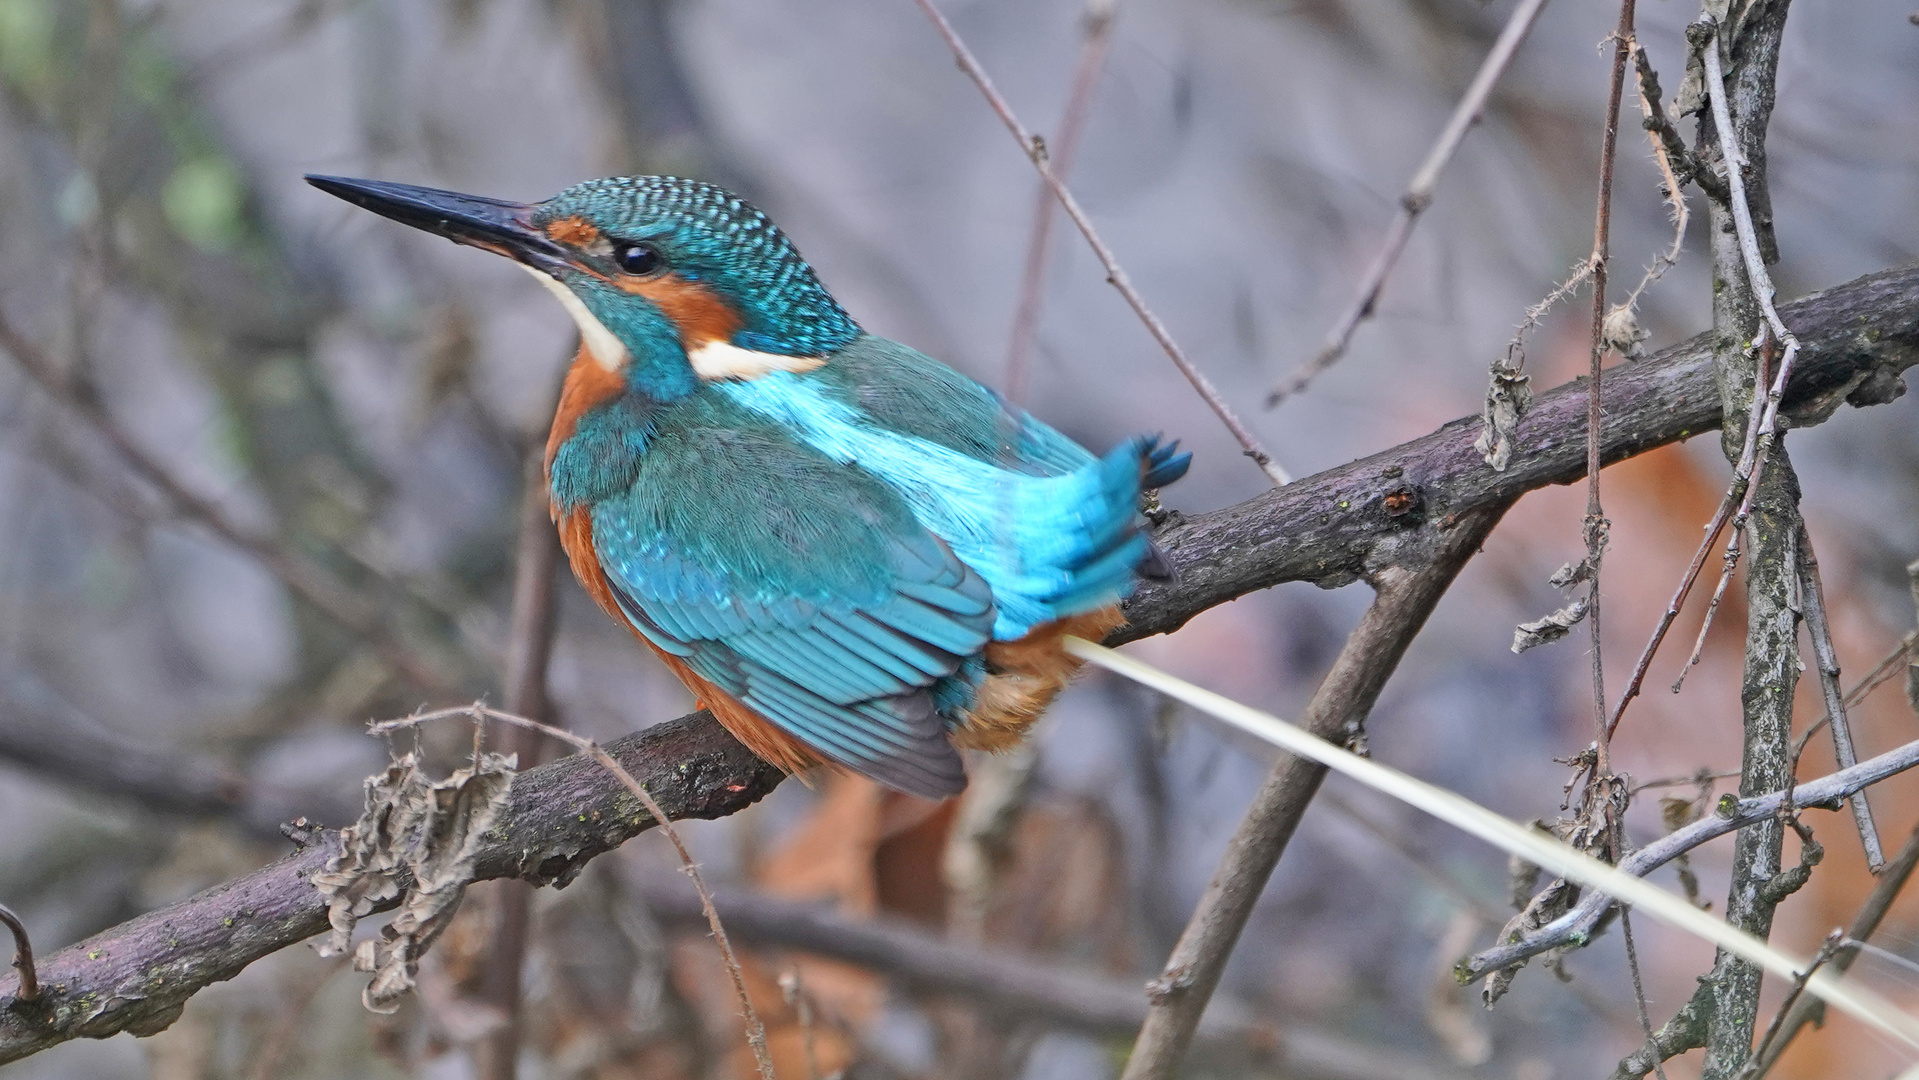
[716,361]
[602,344]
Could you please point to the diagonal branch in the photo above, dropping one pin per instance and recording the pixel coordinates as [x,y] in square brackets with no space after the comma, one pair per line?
[1812,600]
[1098,42]
[1035,148]
[1418,196]
[138,976]
[1337,712]
[1393,510]
[308,579]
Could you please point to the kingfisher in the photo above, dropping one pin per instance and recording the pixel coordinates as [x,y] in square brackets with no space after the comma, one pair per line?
[850,553]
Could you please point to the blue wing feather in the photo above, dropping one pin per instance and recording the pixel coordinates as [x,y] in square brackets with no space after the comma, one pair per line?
[842,661]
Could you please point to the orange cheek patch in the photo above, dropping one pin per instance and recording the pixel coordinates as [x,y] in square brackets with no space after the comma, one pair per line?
[699,313]
[576,231]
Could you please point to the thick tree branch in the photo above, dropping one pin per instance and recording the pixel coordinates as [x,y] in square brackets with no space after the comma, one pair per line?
[1739,62]
[1337,712]
[1342,524]
[1390,510]
[138,976]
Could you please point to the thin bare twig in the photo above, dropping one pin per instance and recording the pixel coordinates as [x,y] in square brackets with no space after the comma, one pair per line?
[1418,196]
[1760,283]
[314,583]
[1516,348]
[1337,711]
[1671,183]
[1730,815]
[1596,526]
[1809,1010]
[1734,509]
[529,647]
[22,956]
[1735,165]
[1097,44]
[1812,602]
[1035,149]
[755,1031]
[1882,672]
[1713,530]
[1683,163]
[1755,1064]
[1639,990]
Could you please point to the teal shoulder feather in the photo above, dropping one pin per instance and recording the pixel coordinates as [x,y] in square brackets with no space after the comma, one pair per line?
[801,585]
[903,390]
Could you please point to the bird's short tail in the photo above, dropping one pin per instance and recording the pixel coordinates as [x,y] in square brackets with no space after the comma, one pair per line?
[1160,463]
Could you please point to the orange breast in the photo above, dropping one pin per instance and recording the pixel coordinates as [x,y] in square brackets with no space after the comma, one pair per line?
[587,386]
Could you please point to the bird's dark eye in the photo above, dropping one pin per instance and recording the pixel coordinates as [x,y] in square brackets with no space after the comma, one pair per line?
[636,258]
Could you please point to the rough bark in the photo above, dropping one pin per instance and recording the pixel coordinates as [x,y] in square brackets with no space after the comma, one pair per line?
[1340,525]
[138,976]
[1389,510]
[1749,40]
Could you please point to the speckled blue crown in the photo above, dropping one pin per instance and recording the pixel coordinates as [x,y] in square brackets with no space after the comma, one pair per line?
[710,235]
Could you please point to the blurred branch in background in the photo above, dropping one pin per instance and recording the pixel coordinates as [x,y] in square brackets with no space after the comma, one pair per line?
[313,582]
[1013,986]
[1035,149]
[529,648]
[1098,19]
[1417,197]
[50,738]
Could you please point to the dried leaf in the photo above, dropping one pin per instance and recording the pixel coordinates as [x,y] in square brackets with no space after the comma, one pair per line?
[1508,396]
[1623,333]
[419,837]
[1549,629]
[1548,904]
[1572,574]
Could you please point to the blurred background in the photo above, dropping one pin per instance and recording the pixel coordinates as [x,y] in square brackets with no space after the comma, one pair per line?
[345,391]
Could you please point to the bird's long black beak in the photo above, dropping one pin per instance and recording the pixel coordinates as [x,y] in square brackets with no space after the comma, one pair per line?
[504,228]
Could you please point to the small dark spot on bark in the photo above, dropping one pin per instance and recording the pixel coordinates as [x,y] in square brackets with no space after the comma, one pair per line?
[1400,500]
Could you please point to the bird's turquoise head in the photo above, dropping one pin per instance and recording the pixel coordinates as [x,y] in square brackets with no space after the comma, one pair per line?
[672,282]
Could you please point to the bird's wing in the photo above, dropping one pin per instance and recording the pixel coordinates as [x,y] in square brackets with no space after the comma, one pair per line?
[801,587]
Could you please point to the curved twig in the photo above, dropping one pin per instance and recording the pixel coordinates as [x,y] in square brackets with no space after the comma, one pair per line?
[1576,926]
[22,956]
